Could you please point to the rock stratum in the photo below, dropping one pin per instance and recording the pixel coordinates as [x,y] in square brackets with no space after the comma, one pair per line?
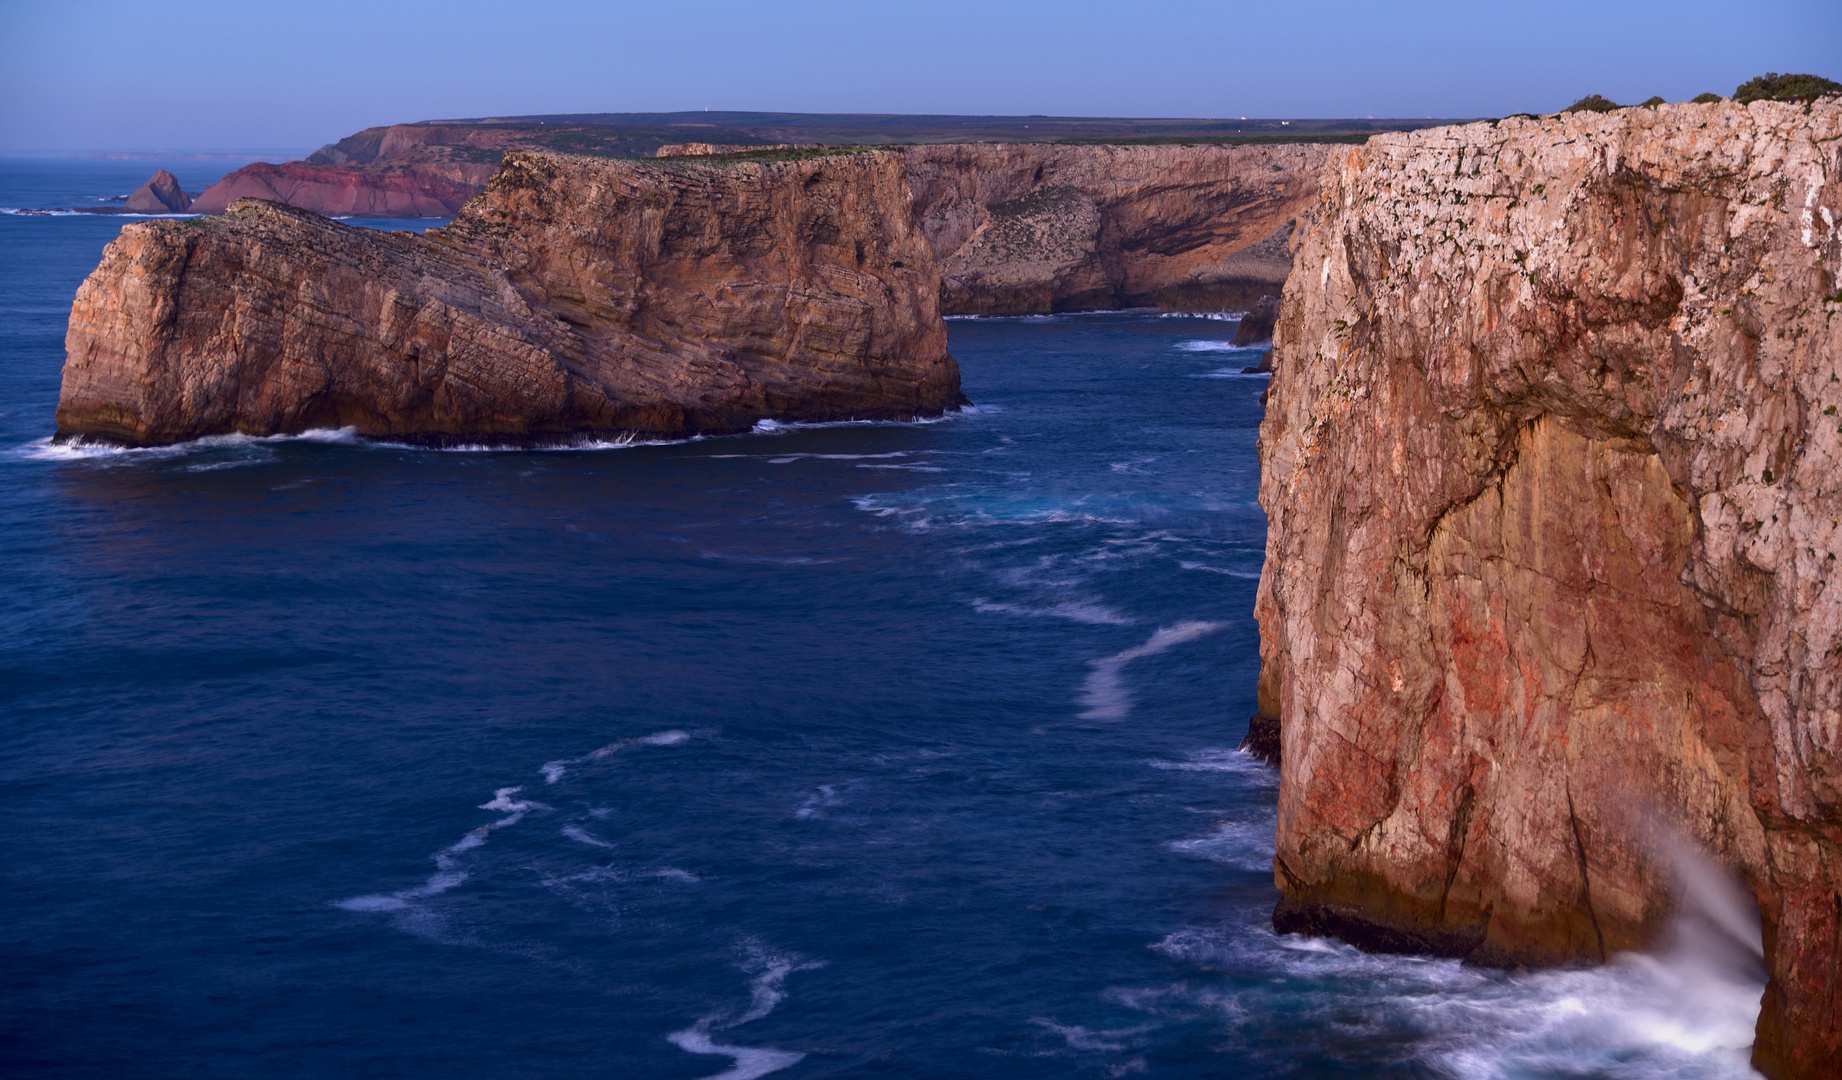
[1553,465]
[575,298]
[1032,228]
[1017,227]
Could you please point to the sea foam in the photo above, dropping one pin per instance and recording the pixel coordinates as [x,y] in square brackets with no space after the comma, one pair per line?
[1104,692]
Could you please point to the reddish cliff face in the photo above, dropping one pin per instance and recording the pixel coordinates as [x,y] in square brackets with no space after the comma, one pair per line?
[1022,228]
[576,297]
[1553,463]
[351,190]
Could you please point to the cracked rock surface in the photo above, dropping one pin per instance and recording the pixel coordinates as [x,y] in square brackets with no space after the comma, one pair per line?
[1553,465]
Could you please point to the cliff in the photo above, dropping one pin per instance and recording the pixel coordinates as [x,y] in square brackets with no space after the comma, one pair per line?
[1553,466]
[575,298]
[1026,228]
[436,190]
[1017,227]
[161,194]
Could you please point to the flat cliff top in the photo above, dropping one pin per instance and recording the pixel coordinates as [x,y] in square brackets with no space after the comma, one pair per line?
[642,134]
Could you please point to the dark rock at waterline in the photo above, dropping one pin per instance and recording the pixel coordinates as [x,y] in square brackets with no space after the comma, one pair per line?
[1262,739]
[1257,325]
[161,194]
[1264,367]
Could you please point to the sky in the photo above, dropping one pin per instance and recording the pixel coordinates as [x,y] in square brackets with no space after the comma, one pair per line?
[86,75]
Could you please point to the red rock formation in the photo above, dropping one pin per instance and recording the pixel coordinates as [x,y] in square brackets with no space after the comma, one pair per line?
[1025,227]
[576,297]
[159,195]
[351,190]
[1553,464]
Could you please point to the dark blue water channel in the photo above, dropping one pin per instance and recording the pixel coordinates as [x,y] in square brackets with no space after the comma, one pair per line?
[868,750]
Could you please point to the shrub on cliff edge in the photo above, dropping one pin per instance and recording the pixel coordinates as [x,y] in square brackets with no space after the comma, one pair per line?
[1592,103]
[1772,86]
[1706,99]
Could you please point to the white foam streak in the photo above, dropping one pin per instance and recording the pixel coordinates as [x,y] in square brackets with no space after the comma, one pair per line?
[766,990]
[1245,575]
[583,836]
[1217,316]
[1104,692]
[1093,614]
[447,874]
[1213,346]
[46,449]
[750,1062]
[555,770]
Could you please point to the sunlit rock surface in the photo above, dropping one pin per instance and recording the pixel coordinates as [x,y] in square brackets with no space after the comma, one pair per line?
[578,297]
[1553,464]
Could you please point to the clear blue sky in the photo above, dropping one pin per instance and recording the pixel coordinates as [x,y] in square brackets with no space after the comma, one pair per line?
[221,74]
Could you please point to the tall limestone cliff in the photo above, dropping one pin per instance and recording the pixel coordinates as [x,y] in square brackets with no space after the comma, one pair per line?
[576,297]
[1553,465]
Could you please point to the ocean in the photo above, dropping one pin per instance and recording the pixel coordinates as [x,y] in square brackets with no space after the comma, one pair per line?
[866,750]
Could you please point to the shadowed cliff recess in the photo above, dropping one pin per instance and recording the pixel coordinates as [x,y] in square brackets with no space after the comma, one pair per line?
[1551,463]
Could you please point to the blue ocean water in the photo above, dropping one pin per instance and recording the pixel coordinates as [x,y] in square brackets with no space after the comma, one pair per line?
[892,750]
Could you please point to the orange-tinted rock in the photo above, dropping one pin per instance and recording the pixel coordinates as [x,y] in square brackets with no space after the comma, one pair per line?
[159,195]
[1031,227]
[577,297]
[1553,465]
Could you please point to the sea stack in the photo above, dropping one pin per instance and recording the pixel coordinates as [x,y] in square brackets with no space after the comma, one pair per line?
[576,298]
[1553,464]
[159,195]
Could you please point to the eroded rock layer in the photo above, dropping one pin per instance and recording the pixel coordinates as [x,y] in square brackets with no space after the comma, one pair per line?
[1018,228]
[576,297]
[1026,228]
[1553,464]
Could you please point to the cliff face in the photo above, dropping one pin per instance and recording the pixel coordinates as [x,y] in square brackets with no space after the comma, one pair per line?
[435,190]
[1553,464]
[576,297]
[1025,228]
[1017,227]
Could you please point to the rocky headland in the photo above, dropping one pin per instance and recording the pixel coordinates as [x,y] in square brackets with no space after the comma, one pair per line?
[575,298]
[1018,227]
[1553,465]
